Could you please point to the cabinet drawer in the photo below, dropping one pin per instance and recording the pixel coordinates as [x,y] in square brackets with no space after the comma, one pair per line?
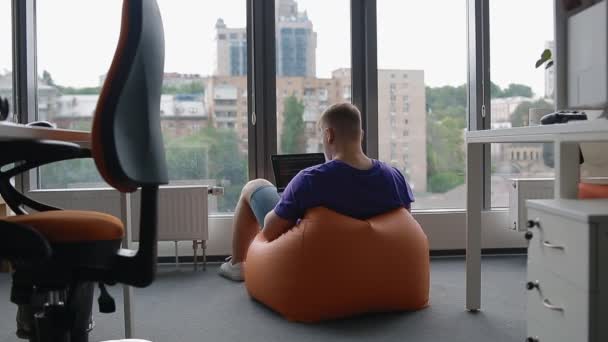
[562,246]
[557,311]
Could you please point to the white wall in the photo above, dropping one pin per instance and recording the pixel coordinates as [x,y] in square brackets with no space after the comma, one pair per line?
[445,230]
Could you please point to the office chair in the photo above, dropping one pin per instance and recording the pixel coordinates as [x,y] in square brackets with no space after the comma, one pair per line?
[59,254]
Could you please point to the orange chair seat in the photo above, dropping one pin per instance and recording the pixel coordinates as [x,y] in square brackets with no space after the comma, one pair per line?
[331,266]
[72,225]
[591,191]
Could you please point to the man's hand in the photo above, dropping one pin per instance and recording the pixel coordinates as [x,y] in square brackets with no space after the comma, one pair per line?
[275,226]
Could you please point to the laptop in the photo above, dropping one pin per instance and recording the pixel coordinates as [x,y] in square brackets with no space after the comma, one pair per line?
[286,166]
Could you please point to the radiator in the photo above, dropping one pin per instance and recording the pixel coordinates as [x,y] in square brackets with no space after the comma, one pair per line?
[523,189]
[182,216]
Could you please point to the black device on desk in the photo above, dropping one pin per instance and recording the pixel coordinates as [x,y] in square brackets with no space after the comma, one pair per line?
[42,123]
[4,108]
[287,166]
[563,116]
[560,117]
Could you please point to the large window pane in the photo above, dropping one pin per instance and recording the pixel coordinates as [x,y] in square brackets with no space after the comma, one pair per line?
[204,100]
[73,55]
[313,68]
[422,79]
[518,88]
[6,60]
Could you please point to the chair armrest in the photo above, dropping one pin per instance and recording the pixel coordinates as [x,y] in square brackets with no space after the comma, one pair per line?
[26,155]
[34,153]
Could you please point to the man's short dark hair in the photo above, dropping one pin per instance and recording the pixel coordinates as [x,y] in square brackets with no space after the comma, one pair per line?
[344,118]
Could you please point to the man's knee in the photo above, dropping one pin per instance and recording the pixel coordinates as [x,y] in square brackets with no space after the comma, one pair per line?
[252,186]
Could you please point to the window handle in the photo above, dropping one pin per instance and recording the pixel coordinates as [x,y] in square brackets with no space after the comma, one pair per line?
[253,118]
[550,245]
[548,305]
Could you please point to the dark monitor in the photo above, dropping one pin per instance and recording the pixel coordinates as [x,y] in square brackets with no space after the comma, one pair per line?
[286,166]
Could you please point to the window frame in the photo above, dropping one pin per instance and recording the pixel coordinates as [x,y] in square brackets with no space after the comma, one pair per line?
[261,82]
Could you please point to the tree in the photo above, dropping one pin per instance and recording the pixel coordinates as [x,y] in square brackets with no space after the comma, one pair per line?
[442,98]
[445,126]
[518,90]
[519,117]
[495,91]
[194,87]
[47,79]
[210,153]
[79,91]
[514,89]
[293,137]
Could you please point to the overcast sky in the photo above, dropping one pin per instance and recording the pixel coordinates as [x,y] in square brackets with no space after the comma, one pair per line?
[76,39]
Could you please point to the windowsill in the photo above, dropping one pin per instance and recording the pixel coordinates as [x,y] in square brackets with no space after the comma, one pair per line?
[415,212]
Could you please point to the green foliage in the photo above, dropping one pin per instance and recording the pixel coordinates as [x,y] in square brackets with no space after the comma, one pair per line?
[194,87]
[519,117]
[210,154]
[545,57]
[293,137]
[187,163]
[518,90]
[512,90]
[446,120]
[447,99]
[444,181]
[79,91]
[71,173]
[47,78]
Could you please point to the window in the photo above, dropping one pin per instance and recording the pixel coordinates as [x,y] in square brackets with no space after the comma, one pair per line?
[201,86]
[517,86]
[210,75]
[313,62]
[71,68]
[6,58]
[433,95]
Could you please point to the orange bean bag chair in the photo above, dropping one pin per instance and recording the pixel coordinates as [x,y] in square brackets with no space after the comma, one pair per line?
[590,191]
[331,266]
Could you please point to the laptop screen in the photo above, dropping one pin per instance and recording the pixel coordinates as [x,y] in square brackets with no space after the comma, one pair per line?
[286,166]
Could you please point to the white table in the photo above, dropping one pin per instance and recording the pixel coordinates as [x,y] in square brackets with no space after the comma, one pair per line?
[10,131]
[565,138]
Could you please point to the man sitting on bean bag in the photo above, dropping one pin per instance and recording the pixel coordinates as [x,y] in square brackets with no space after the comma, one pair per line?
[349,183]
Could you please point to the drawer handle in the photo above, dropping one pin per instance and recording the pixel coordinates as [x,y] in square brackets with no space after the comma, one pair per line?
[550,306]
[550,245]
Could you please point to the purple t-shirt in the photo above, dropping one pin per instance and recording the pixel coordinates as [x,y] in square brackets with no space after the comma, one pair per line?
[352,192]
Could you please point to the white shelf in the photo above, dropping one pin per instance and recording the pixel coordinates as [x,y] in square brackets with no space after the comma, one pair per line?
[585,210]
[593,130]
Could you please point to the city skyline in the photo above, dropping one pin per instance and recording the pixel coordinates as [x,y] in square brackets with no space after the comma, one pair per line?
[190,38]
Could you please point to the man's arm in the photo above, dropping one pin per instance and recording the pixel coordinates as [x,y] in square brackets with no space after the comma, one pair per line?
[275,226]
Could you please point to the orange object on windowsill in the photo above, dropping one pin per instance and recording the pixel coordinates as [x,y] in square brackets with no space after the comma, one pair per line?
[590,191]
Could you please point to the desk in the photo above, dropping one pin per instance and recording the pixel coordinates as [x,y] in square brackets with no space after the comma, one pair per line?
[565,138]
[10,131]
[14,131]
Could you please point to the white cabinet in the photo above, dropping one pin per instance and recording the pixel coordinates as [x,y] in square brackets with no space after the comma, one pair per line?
[567,280]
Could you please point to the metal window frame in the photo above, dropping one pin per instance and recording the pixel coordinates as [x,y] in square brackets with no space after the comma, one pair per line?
[261,87]
[560,93]
[364,69]
[479,116]
[25,80]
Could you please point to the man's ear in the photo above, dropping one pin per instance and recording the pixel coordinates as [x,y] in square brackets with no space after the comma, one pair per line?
[331,135]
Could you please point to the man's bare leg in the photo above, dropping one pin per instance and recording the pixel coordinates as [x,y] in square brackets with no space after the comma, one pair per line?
[245,226]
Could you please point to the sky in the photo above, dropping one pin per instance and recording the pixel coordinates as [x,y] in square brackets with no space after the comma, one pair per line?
[76,39]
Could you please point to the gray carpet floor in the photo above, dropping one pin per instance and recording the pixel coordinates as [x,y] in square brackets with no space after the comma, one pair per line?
[187,306]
